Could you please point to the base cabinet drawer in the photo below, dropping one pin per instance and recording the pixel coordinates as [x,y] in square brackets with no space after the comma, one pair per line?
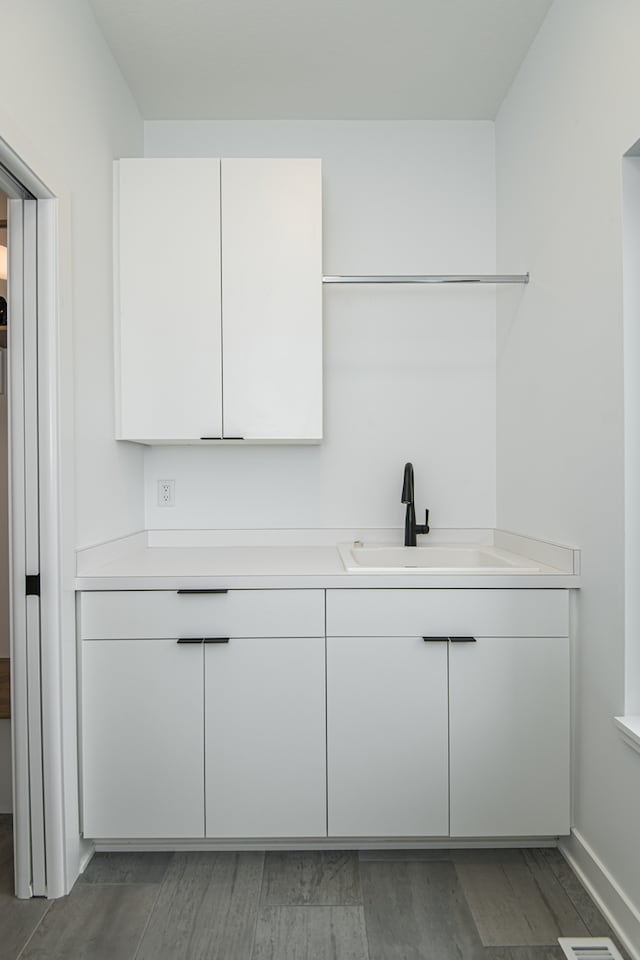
[132,614]
[486,613]
[142,739]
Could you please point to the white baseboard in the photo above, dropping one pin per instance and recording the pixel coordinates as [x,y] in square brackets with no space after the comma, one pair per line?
[344,843]
[87,857]
[621,913]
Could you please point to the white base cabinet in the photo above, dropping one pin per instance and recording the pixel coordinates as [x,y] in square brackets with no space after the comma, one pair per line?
[265,738]
[509,736]
[387,746]
[487,742]
[142,739]
[210,720]
[455,724]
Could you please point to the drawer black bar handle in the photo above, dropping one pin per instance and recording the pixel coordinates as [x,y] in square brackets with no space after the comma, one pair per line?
[202,591]
[190,640]
[462,639]
[436,639]
[216,639]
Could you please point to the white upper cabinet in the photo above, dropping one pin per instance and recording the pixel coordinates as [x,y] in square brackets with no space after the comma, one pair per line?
[272,299]
[218,300]
[167,300]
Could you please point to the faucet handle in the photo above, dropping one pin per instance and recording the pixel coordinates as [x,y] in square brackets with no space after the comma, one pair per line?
[423,527]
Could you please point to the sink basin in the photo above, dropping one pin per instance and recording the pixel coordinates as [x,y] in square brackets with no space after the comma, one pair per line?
[436,558]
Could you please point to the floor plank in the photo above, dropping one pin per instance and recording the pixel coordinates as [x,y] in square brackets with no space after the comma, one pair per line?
[404,856]
[93,923]
[127,868]
[207,907]
[450,854]
[5,688]
[417,911]
[593,919]
[322,878]
[6,839]
[488,855]
[512,907]
[18,918]
[524,953]
[310,933]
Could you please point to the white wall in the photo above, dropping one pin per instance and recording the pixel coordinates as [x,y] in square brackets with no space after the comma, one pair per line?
[4,482]
[560,135]
[631,306]
[67,113]
[409,372]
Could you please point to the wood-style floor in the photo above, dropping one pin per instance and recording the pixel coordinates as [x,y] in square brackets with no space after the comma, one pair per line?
[451,905]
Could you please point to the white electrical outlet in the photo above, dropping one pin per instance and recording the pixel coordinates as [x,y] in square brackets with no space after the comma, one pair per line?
[166,493]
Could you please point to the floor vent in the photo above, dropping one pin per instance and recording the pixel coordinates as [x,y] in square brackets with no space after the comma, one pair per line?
[589,948]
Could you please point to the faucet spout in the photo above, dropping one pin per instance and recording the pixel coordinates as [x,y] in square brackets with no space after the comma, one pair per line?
[407,484]
[411,528]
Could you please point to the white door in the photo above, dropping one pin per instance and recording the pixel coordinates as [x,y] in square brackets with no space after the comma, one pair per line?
[29,821]
[509,712]
[387,737]
[265,737]
[272,299]
[142,739]
[167,299]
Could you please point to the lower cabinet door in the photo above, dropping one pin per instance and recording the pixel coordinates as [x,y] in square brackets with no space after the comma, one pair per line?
[142,739]
[387,737]
[509,737]
[265,739]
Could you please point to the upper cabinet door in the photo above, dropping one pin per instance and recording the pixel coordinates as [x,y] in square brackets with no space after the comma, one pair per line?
[272,299]
[167,299]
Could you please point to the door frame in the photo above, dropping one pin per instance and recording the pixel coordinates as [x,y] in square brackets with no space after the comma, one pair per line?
[44,846]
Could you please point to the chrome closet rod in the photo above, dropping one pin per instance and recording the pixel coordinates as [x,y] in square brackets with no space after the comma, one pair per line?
[436,278]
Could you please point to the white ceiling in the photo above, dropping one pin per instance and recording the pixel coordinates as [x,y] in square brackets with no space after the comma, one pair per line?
[338,59]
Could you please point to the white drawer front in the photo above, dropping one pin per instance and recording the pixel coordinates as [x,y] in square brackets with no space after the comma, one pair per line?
[488,613]
[137,614]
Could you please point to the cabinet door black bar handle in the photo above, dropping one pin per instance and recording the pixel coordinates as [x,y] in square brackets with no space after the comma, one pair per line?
[216,639]
[211,438]
[462,639]
[436,639]
[189,639]
[202,591]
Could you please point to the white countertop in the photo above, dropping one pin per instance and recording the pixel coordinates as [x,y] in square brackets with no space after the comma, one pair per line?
[170,560]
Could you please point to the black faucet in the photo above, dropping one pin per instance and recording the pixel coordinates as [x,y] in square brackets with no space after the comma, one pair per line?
[411,528]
